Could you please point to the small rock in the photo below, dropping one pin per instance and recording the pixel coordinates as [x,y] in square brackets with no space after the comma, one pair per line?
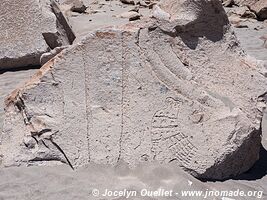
[238,25]
[133,18]
[47,56]
[95,11]
[234,19]
[142,3]
[135,9]
[131,15]
[29,142]
[264,38]
[260,8]
[196,117]
[128,2]
[243,12]
[78,7]
[261,106]
[158,13]
[151,5]
[228,3]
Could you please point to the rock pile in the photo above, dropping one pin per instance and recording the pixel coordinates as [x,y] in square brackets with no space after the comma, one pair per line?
[258,7]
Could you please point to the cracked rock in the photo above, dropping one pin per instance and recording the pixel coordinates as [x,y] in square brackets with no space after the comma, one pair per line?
[28,29]
[146,91]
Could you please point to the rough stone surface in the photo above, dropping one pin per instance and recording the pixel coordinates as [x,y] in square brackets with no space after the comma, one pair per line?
[260,8]
[28,29]
[245,2]
[173,90]
[243,12]
[131,15]
[228,3]
[264,38]
[47,56]
[63,25]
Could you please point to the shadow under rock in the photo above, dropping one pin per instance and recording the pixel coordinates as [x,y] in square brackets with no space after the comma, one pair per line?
[211,24]
[15,69]
[259,169]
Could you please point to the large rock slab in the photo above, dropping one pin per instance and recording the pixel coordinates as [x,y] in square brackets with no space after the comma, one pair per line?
[29,29]
[176,89]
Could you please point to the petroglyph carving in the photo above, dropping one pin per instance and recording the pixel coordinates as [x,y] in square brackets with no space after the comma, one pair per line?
[165,133]
[106,71]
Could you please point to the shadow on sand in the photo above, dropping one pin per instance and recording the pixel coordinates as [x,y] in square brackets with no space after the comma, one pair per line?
[15,69]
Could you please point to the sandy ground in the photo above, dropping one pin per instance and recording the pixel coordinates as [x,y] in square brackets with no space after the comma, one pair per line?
[250,39]
[62,183]
[99,15]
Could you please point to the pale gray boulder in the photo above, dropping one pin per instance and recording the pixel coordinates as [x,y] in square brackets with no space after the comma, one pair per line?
[29,28]
[169,90]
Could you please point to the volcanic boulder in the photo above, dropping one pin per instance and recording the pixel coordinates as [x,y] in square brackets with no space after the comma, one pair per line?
[177,90]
